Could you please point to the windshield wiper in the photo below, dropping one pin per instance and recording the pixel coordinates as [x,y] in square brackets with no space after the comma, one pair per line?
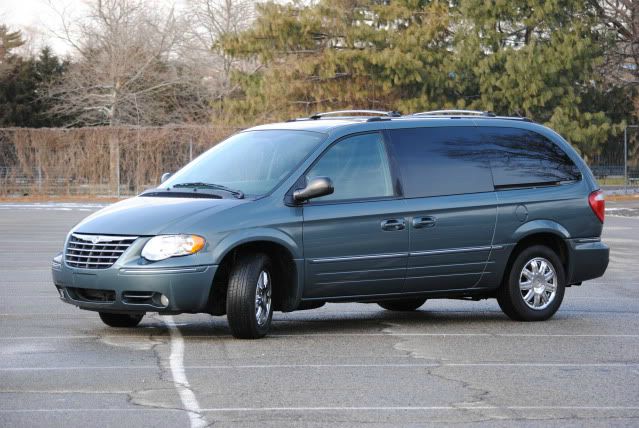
[237,193]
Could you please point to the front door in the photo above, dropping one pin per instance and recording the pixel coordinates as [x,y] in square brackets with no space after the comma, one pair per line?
[355,240]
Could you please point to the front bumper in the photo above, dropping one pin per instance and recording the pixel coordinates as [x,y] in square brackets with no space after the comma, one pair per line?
[588,258]
[135,289]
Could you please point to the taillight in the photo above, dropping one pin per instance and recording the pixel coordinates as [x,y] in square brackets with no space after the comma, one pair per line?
[598,204]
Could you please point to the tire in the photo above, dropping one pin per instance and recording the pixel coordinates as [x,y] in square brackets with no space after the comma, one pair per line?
[402,305]
[533,300]
[249,304]
[121,320]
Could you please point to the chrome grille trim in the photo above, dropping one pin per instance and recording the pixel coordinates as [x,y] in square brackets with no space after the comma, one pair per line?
[95,251]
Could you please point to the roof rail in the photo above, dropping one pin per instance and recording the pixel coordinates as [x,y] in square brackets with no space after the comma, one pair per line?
[356,112]
[455,113]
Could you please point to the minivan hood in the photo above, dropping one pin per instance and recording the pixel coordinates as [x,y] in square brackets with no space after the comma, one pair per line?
[144,215]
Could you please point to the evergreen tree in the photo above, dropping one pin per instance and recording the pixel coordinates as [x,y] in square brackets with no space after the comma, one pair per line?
[537,58]
[9,40]
[23,86]
[534,58]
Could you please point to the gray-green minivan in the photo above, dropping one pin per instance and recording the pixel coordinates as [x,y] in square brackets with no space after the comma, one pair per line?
[344,207]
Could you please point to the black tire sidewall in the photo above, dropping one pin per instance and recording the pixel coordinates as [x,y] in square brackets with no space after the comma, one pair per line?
[515,300]
[120,320]
[240,304]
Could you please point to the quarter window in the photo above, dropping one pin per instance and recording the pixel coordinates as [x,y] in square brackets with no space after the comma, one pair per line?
[358,167]
[519,157]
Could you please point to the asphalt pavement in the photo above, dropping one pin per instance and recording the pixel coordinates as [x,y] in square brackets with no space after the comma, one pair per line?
[450,363]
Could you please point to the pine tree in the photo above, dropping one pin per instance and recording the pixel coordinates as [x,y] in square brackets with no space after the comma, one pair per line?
[9,40]
[23,86]
[534,58]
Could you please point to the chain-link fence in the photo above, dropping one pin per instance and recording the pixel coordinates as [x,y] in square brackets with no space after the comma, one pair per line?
[123,161]
[106,161]
[617,167]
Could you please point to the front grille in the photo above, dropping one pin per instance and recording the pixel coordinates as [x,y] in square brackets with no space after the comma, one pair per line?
[95,251]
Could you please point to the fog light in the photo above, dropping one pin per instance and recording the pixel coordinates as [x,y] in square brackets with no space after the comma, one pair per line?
[164,300]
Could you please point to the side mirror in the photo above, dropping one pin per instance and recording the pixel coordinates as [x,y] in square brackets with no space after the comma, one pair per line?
[165,177]
[318,186]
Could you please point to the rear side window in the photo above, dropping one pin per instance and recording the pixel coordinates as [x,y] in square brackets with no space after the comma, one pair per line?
[441,161]
[519,157]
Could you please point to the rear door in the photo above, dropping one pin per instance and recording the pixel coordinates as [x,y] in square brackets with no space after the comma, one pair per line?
[355,240]
[451,205]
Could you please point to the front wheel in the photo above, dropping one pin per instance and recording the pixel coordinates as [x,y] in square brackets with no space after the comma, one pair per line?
[534,288]
[249,297]
[120,320]
[404,305]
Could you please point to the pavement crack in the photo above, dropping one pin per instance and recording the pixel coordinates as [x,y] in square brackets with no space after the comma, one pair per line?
[479,396]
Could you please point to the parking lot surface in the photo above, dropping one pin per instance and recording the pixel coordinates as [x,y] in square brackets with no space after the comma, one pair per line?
[452,362]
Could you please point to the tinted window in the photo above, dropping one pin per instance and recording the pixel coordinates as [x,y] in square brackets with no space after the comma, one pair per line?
[358,166]
[520,157]
[253,161]
[441,161]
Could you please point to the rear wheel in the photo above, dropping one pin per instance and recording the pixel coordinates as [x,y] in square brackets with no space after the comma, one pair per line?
[404,305]
[120,320]
[249,306]
[534,288]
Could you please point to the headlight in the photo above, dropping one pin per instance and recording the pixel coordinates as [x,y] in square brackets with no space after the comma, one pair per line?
[165,246]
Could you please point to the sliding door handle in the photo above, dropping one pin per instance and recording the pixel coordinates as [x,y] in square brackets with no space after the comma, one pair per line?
[421,222]
[394,224]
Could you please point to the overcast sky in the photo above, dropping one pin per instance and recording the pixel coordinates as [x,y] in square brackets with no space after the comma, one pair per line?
[39,20]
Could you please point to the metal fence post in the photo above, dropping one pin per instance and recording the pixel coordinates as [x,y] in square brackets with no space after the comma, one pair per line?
[118,171]
[625,156]
[625,160]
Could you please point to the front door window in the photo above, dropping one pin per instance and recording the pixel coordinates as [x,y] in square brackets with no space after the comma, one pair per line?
[358,166]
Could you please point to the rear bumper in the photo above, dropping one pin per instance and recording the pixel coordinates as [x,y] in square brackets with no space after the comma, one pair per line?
[136,289]
[588,259]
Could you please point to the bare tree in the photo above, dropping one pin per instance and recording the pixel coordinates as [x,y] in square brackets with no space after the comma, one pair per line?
[124,66]
[621,18]
[209,21]
[125,70]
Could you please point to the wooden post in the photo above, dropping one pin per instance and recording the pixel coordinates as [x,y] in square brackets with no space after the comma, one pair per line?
[114,164]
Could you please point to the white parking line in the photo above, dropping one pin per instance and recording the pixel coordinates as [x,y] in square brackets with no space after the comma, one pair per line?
[321,366]
[176,361]
[336,408]
[311,335]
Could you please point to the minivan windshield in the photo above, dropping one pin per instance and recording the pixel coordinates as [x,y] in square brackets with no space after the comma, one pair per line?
[251,162]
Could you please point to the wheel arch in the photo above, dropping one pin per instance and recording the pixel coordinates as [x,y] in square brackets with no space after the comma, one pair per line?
[284,254]
[548,237]
[540,226]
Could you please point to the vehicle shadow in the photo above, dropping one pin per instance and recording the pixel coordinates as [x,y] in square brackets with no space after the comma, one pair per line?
[373,322]
[314,322]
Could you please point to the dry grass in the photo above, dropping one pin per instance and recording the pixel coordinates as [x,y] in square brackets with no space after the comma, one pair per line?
[622,198]
[83,161]
[58,199]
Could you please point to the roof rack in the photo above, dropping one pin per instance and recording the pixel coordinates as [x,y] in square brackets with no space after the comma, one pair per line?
[375,113]
[455,113]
